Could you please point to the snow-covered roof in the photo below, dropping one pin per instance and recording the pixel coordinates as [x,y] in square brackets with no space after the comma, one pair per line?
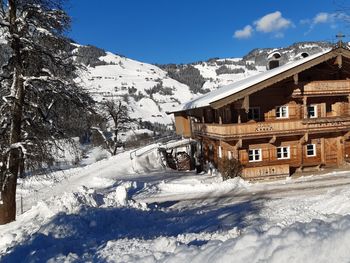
[228,90]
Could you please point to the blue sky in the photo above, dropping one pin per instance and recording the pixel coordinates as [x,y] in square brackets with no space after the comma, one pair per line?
[181,31]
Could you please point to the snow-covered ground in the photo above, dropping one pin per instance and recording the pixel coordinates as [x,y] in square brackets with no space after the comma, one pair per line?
[133,210]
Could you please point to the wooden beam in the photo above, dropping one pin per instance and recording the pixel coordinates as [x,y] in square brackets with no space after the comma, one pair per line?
[228,146]
[279,77]
[245,104]
[296,78]
[273,139]
[304,139]
[305,107]
[340,151]
[346,136]
[239,144]
[339,61]
[323,153]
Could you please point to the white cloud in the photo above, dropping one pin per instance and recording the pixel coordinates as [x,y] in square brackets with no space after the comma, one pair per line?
[273,22]
[246,32]
[325,18]
[322,18]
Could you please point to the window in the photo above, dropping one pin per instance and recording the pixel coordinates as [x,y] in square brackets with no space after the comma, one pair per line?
[282,112]
[229,155]
[254,113]
[254,155]
[283,152]
[220,152]
[312,111]
[310,150]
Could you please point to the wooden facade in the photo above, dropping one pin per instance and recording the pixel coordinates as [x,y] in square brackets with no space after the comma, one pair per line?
[294,119]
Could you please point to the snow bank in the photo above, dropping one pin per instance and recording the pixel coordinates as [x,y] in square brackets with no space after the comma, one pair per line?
[317,241]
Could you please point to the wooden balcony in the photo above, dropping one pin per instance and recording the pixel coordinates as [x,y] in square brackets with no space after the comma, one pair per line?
[325,87]
[269,129]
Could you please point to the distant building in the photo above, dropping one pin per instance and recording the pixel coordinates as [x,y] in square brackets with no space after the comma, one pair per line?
[288,118]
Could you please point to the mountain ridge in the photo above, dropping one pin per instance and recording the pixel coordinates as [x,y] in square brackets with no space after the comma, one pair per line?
[152,90]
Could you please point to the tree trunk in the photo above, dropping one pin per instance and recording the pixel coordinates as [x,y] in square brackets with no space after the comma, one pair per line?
[8,193]
[115,142]
[8,206]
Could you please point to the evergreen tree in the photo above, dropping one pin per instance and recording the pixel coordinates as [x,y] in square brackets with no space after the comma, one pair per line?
[38,94]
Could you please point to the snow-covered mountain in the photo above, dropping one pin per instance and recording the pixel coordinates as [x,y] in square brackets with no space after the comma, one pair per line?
[146,88]
[152,90]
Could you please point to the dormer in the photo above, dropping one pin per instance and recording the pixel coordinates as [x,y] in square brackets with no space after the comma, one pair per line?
[274,60]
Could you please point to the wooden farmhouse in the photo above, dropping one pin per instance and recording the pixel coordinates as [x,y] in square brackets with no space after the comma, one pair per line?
[287,119]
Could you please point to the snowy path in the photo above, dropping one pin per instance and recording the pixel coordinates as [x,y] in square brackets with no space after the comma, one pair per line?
[294,187]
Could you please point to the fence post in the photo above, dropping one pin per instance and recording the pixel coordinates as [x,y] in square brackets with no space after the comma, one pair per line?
[21,204]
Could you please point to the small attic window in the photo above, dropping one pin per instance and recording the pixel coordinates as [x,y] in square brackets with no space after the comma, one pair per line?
[274,60]
[304,55]
[276,56]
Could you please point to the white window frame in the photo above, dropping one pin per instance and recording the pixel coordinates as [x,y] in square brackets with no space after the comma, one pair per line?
[283,152]
[315,111]
[279,111]
[253,113]
[255,153]
[313,149]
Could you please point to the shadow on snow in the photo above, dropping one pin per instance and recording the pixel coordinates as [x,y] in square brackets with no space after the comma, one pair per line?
[88,231]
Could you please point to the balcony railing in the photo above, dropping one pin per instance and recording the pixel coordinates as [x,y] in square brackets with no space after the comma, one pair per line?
[326,87]
[267,129]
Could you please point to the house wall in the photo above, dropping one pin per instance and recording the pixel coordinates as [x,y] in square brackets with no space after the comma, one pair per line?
[331,150]
[183,125]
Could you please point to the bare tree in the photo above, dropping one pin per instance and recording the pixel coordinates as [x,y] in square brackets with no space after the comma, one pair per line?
[39,94]
[116,115]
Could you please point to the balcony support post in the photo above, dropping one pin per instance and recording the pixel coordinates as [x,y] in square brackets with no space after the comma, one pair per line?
[220,115]
[239,117]
[305,106]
